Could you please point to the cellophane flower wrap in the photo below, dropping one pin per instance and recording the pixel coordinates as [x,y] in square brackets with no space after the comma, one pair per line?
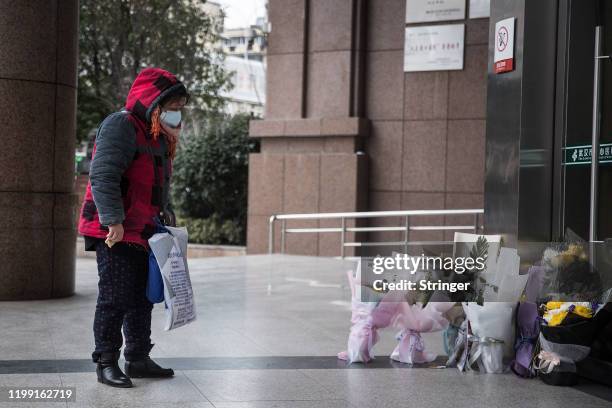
[528,331]
[455,317]
[528,324]
[412,320]
[366,319]
[491,330]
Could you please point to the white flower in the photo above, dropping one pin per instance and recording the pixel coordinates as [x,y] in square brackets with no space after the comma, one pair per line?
[549,254]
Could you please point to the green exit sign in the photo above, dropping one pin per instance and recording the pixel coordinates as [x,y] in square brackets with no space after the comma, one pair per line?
[576,155]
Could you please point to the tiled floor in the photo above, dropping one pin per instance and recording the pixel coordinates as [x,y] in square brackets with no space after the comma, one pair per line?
[267,332]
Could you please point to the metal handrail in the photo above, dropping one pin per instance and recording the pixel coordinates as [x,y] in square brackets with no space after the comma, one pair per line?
[343,229]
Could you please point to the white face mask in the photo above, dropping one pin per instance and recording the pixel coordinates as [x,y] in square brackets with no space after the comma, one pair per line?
[171,118]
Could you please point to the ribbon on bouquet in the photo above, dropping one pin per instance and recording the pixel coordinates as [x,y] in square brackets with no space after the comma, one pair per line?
[479,346]
[411,348]
[525,341]
[552,355]
[546,361]
[470,349]
[416,342]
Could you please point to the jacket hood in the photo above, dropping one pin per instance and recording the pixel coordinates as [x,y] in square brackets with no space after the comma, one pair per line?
[150,87]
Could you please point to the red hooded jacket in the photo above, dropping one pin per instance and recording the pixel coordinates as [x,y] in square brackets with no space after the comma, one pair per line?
[130,172]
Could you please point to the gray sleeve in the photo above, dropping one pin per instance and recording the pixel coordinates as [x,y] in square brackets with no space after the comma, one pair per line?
[115,149]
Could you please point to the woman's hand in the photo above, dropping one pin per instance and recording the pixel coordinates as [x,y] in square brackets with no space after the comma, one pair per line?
[115,232]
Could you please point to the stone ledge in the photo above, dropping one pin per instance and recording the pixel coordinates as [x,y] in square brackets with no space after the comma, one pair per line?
[310,127]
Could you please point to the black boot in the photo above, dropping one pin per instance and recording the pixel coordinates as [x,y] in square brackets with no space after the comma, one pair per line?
[146,368]
[109,372]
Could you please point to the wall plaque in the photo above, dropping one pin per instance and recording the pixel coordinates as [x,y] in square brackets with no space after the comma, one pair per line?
[419,11]
[480,8]
[434,48]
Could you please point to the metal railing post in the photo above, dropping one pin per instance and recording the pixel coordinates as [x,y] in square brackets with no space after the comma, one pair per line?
[406,233]
[271,234]
[283,231]
[476,226]
[342,237]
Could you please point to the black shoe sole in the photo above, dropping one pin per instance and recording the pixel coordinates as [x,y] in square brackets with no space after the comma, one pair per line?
[149,376]
[129,385]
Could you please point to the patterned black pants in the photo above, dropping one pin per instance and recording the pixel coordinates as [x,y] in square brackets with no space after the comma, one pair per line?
[122,301]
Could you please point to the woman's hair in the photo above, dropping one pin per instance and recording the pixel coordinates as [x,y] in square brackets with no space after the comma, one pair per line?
[156,122]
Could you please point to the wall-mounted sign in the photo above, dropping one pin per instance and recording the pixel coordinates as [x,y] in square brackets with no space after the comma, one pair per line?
[419,11]
[574,155]
[434,48]
[480,8]
[504,46]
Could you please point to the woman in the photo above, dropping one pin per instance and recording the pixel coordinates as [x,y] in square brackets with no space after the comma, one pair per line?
[128,188]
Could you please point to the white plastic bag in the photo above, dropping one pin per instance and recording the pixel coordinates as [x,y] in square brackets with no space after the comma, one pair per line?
[170,250]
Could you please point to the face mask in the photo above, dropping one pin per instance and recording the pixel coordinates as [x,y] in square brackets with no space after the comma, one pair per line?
[171,118]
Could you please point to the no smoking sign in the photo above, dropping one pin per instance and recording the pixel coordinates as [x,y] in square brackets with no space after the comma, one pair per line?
[502,38]
[504,46]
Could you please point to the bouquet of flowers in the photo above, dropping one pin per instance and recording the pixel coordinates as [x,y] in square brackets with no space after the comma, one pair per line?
[561,347]
[455,317]
[406,310]
[487,335]
[528,324]
[461,348]
[413,320]
[527,333]
[366,319]
[570,295]
[491,331]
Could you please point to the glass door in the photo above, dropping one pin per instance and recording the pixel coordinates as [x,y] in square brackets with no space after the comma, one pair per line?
[576,71]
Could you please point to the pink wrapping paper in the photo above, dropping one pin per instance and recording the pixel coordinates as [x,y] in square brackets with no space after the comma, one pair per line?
[412,320]
[366,319]
[393,310]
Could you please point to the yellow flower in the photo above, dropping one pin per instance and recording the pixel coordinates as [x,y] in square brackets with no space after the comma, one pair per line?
[576,250]
[556,312]
[555,317]
[584,311]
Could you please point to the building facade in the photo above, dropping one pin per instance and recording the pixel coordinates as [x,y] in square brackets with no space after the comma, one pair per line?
[346,129]
[248,92]
[246,42]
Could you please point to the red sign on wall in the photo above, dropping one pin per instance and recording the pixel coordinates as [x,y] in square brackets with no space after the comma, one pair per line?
[504,66]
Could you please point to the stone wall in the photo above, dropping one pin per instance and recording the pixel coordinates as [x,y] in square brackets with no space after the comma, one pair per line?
[336,87]
[427,144]
[313,129]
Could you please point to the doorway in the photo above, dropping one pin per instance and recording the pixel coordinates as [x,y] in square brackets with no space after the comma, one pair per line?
[574,119]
